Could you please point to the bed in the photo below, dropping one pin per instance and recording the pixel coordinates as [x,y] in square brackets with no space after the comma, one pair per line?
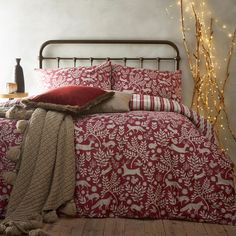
[156,160]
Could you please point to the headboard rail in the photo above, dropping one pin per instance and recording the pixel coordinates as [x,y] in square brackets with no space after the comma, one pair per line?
[175,58]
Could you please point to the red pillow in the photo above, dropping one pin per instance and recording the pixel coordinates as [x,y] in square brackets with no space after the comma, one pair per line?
[93,76]
[73,98]
[165,84]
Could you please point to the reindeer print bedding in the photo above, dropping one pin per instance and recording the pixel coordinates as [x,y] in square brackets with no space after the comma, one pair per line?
[143,164]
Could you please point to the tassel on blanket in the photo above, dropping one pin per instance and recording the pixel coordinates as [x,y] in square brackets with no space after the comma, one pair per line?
[3,111]
[38,232]
[12,230]
[13,154]
[69,209]
[19,227]
[10,227]
[50,217]
[21,125]
[9,177]
[2,229]
[18,112]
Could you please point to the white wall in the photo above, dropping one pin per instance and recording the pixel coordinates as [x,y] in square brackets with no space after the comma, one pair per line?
[25,24]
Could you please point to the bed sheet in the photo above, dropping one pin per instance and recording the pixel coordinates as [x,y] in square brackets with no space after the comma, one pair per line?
[141,164]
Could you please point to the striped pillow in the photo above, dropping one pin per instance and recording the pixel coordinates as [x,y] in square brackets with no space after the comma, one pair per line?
[154,103]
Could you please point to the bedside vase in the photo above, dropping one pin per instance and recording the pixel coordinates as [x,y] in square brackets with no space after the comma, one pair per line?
[19,77]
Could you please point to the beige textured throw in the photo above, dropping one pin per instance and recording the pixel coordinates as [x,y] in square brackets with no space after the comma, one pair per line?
[46,177]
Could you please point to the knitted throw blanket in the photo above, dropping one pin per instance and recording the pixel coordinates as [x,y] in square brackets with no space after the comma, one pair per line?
[46,177]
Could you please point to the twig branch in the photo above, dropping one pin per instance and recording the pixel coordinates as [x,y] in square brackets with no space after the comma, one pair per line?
[208,96]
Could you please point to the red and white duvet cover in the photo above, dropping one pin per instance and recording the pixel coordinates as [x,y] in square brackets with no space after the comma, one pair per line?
[143,164]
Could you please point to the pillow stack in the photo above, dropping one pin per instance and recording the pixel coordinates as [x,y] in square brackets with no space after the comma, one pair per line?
[102,88]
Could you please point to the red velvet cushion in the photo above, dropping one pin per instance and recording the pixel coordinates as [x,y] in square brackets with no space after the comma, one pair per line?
[70,95]
[69,98]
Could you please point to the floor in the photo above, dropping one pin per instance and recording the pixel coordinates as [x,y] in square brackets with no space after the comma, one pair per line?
[130,227]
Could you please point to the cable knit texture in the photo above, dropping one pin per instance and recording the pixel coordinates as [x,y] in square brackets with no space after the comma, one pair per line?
[46,177]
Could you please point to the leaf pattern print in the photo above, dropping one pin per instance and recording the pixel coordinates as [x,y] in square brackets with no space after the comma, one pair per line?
[146,81]
[137,164]
[92,76]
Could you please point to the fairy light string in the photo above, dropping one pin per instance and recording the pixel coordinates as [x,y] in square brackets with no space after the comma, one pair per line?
[208,97]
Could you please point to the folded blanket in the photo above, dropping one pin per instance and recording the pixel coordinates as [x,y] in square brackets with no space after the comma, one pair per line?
[46,177]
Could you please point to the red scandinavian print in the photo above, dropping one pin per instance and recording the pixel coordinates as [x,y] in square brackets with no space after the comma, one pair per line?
[8,138]
[165,84]
[93,76]
[151,164]
[144,164]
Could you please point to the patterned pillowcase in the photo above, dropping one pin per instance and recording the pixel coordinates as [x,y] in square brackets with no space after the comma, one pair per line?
[92,76]
[165,84]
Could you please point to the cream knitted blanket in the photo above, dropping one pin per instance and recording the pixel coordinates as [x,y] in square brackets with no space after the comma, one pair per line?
[46,177]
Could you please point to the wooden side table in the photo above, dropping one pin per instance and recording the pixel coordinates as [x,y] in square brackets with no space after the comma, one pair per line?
[13,95]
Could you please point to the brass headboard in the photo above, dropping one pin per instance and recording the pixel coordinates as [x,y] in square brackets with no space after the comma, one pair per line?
[158,60]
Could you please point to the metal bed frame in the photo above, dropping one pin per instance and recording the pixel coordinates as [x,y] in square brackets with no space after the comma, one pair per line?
[176,58]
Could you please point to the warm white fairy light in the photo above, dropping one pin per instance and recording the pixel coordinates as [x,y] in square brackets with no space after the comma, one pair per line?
[187,9]
[209,90]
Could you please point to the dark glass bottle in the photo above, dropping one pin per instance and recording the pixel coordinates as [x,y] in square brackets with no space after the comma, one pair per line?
[19,77]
